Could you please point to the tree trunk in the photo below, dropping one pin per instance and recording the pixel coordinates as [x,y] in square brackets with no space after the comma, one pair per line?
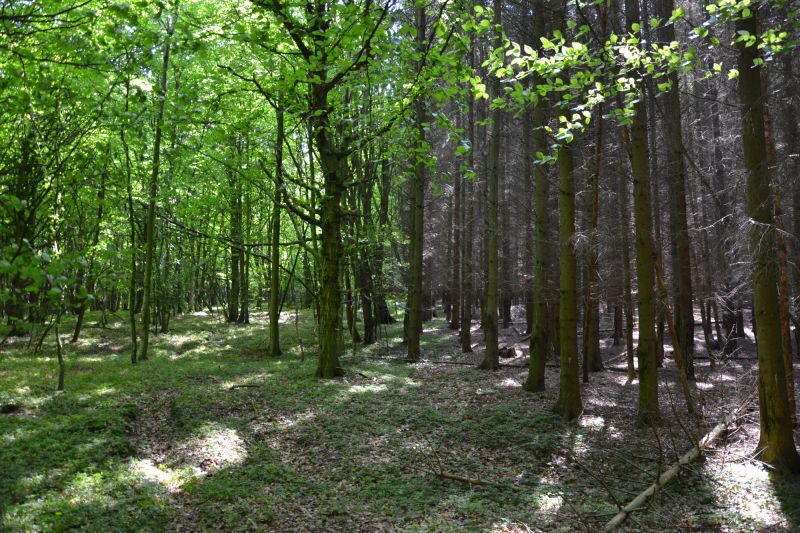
[776,442]
[645,250]
[592,359]
[569,403]
[275,238]
[541,191]
[132,223]
[415,295]
[490,326]
[676,166]
[153,190]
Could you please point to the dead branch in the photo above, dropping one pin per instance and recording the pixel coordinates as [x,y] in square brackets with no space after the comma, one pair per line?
[670,473]
[471,481]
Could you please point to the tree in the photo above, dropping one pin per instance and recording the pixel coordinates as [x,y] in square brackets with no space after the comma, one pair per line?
[676,165]
[776,440]
[645,253]
[569,403]
[415,291]
[153,186]
[490,326]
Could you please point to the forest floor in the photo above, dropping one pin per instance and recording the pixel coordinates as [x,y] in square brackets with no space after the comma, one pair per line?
[210,435]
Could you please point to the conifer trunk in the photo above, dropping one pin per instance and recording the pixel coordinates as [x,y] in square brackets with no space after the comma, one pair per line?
[569,394]
[645,250]
[776,440]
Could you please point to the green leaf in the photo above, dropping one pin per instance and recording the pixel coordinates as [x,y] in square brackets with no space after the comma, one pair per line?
[678,14]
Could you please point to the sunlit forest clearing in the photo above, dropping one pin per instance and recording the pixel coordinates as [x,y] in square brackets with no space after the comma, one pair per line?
[209,435]
[361,265]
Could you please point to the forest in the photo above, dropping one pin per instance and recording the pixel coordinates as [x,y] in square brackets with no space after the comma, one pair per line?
[383,265]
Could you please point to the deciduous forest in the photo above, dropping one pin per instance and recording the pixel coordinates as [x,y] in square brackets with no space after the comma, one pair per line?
[392,265]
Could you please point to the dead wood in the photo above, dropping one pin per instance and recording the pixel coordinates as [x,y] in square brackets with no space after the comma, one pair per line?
[673,471]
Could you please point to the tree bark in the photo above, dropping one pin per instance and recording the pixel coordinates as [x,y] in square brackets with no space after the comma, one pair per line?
[275,238]
[569,403]
[776,439]
[490,327]
[539,329]
[645,250]
[153,190]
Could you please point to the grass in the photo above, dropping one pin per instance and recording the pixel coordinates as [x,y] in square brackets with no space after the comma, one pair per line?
[212,435]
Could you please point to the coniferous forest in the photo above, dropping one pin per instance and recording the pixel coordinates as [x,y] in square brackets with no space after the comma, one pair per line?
[384,265]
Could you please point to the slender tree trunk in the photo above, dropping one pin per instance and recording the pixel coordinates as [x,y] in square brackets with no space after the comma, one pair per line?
[490,326]
[467,261]
[153,189]
[415,296]
[569,403]
[676,165]
[527,175]
[467,269]
[275,238]
[455,283]
[541,190]
[645,251]
[776,442]
[101,195]
[625,222]
[592,359]
[132,223]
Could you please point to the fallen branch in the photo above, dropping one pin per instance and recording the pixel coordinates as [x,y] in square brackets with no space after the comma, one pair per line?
[664,478]
[471,481]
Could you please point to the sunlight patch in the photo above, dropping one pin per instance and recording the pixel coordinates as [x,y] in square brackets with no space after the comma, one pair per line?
[593,422]
[550,502]
[760,506]
[510,527]
[360,389]
[510,383]
[160,474]
[217,447]
[244,381]
[286,422]
[287,317]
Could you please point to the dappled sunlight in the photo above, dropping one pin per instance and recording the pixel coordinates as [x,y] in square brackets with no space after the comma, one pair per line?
[286,422]
[171,479]
[99,392]
[287,317]
[592,422]
[246,380]
[214,447]
[359,389]
[549,502]
[749,477]
[510,383]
